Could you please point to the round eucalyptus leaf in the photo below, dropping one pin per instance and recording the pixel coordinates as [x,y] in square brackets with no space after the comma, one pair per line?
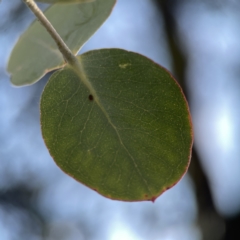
[122,127]
[36,53]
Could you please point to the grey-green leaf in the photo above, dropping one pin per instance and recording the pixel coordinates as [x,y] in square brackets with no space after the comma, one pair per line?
[64,1]
[36,53]
[122,127]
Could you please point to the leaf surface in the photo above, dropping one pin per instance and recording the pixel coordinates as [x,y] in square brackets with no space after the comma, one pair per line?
[122,128]
[64,1]
[36,53]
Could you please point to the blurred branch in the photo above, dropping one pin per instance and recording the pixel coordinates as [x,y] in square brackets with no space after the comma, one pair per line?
[203,194]
[21,197]
[179,61]
[16,13]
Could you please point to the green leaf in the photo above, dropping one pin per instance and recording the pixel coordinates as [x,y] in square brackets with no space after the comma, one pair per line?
[36,53]
[122,128]
[64,1]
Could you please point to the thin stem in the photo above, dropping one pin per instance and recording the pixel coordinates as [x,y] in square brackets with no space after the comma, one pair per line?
[63,48]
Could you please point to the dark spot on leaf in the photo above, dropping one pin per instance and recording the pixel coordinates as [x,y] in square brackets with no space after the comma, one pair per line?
[90,97]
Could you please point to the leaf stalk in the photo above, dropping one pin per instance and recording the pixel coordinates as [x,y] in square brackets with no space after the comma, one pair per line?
[69,57]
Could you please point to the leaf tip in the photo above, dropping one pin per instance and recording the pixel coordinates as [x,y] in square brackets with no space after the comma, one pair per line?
[153,199]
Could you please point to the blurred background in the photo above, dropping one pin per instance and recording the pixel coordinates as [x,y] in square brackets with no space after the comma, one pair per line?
[199,42]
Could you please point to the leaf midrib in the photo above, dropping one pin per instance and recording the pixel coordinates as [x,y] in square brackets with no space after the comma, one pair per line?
[79,70]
